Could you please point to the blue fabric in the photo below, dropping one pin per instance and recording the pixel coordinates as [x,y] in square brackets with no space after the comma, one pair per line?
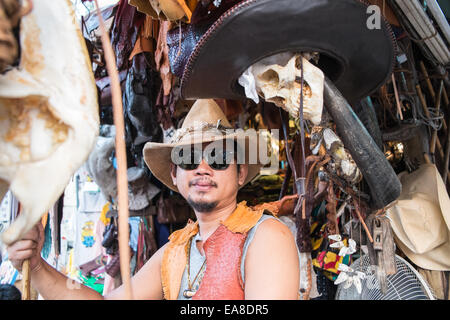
[162,232]
[46,249]
[134,232]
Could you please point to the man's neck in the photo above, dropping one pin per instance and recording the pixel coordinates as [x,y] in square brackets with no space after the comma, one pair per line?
[210,221]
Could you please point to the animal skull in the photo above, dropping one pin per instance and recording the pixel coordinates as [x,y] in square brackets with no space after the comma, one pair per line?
[278,80]
[342,163]
[49,117]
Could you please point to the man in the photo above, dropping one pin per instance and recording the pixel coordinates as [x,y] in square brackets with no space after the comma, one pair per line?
[230,252]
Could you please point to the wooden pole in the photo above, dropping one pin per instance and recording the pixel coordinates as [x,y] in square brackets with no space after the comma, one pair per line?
[122,180]
[445,95]
[434,140]
[439,103]
[362,221]
[446,174]
[397,99]
[427,80]
[26,280]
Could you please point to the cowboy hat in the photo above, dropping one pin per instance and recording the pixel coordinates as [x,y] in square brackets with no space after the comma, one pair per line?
[358,59]
[199,126]
[421,218]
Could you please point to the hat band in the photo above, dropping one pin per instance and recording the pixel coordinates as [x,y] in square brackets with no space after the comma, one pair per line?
[183,132]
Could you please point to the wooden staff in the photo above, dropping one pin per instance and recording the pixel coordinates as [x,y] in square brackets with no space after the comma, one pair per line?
[122,180]
[26,280]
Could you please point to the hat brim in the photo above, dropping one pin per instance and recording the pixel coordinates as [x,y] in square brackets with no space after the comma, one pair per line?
[357,59]
[157,156]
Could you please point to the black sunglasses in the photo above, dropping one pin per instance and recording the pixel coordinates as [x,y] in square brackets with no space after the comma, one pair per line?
[217,159]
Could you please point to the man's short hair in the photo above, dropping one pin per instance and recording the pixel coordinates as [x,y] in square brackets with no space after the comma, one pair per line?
[9,292]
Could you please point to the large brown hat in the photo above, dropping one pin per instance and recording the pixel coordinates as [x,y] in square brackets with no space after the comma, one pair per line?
[421,219]
[357,57]
[205,122]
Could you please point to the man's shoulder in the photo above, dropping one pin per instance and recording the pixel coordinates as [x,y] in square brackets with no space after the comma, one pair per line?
[270,228]
[182,236]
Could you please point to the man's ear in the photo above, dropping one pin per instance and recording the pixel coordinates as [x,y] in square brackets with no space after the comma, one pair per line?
[242,174]
[173,173]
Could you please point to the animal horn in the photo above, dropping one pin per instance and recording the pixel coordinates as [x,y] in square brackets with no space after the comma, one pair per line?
[384,185]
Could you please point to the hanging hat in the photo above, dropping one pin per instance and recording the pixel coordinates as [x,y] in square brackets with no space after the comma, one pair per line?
[100,167]
[357,59]
[172,10]
[421,219]
[140,190]
[199,126]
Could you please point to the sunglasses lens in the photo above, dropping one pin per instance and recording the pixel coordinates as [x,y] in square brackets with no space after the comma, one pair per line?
[219,159]
[191,162]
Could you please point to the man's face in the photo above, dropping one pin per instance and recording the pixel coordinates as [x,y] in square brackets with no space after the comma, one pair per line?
[205,188]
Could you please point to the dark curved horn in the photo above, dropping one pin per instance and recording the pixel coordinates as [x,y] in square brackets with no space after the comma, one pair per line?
[385,187]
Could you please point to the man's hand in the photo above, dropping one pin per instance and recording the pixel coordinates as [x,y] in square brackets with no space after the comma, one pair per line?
[28,248]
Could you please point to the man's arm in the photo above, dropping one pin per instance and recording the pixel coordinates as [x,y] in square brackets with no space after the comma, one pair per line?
[52,284]
[271,266]
[146,283]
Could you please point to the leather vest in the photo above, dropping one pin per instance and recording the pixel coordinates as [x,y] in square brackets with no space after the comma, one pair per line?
[223,252]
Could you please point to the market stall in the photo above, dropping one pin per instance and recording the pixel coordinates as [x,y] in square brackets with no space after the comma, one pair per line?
[351,97]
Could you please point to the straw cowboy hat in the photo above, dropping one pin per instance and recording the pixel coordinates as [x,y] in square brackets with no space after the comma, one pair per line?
[205,122]
[421,219]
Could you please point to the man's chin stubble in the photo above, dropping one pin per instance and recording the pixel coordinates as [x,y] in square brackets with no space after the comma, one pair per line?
[202,206]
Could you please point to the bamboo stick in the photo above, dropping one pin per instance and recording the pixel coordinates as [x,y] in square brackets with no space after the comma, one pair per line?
[362,222]
[427,80]
[438,103]
[446,174]
[439,147]
[423,101]
[445,95]
[397,99]
[428,160]
[434,139]
[26,280]
[122,180]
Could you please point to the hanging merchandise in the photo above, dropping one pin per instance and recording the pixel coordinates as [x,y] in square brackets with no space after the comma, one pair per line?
[357,133]
[85,237]
[9,17]
[48,238]
[172,208]
[146,246]
[87,234]
[100,166]
[124,33]
[139,97]
[8,274]
[110,237]
[172,10]
[49,111]
[421,219]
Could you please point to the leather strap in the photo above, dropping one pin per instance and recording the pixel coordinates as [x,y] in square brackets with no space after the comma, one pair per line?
[299,178]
